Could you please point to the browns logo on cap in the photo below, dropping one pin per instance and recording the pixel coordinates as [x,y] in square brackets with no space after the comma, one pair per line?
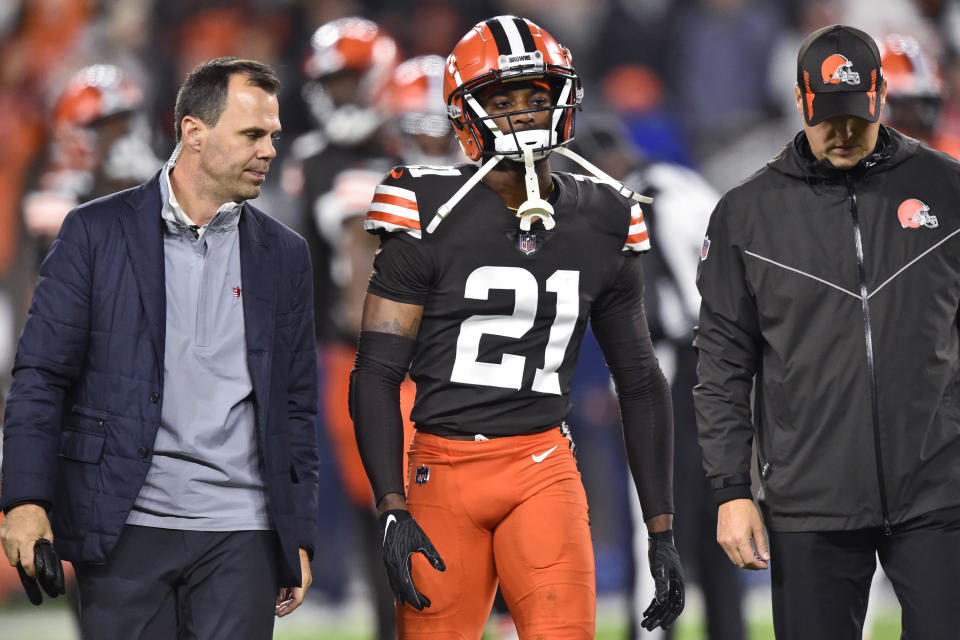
[839,73]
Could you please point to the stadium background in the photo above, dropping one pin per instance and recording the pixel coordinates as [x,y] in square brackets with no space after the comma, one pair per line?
[707,84]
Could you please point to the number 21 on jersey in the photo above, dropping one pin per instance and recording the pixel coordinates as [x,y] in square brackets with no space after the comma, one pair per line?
[508,373]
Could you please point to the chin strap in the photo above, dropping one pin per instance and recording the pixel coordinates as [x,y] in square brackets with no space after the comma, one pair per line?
[444,210]
[603,177]
[535,207]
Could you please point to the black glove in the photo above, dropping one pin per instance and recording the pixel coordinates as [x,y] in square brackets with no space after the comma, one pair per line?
[402,537]
[668,580]
[49,573]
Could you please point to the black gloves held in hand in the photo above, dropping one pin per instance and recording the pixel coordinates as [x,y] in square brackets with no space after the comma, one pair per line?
[668,580]
[402,537]
[49,573]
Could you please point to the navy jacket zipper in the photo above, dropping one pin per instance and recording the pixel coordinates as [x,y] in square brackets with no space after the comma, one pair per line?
[871,367]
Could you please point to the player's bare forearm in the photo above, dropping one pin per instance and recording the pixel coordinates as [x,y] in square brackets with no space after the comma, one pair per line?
[388,316]
[662,522]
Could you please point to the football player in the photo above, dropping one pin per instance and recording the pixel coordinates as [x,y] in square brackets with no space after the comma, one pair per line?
[483,285]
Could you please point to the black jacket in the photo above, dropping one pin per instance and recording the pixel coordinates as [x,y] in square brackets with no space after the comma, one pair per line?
[848,319]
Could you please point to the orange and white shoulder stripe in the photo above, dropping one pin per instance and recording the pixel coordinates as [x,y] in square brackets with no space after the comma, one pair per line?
[393,209]
[637,237]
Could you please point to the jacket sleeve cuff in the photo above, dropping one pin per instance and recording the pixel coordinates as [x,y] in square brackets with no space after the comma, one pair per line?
[730,488]
[41,503]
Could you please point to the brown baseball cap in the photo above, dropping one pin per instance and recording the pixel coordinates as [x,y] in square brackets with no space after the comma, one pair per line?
[838,72]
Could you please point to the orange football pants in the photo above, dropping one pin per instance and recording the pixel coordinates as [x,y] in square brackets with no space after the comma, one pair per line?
[511,509]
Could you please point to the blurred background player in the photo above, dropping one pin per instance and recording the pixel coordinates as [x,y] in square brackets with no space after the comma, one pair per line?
[914,92]
[100,144]
[348,63]
[418,118]
[334,171]
[677,217]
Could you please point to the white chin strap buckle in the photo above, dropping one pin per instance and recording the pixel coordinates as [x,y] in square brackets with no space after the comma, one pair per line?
[534,207]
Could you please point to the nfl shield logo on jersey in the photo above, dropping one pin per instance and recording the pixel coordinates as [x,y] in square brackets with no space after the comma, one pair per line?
[527,242]
[423,474]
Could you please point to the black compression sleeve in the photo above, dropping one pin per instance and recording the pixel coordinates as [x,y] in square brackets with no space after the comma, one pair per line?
[645,408]
[379,368]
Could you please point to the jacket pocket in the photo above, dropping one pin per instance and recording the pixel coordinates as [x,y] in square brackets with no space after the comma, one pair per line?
[82,446]
[88,412]
[86,420]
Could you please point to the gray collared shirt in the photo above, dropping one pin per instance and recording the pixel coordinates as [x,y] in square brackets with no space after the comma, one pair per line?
[205,470]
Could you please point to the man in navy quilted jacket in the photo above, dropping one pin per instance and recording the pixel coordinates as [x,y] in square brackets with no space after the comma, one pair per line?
[164,395]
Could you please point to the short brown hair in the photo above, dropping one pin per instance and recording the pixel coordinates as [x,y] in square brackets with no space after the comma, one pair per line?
[204,92]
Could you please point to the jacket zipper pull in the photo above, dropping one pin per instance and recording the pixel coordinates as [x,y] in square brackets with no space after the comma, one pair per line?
[887,529]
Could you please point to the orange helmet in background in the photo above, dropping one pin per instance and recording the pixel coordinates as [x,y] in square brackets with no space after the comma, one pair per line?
[91,98]
[100,143]
[93,93]
[501,50]
[914,86]
[414,100]
[909,70]
[359,56]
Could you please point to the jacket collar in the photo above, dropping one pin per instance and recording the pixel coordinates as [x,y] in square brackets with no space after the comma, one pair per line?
[797,159]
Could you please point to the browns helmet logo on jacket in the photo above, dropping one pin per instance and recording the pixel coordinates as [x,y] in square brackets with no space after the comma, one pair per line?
[914,214]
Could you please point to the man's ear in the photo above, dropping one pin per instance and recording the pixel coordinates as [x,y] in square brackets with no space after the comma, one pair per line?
[798,96]
[191,132]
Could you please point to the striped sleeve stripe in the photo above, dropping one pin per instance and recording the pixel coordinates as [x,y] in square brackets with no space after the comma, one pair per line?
[385,190]
[637,237]
[393,209]
[397,201]
[412,218]
[393,215]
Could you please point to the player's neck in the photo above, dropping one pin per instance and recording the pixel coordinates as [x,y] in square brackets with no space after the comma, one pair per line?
[507,180]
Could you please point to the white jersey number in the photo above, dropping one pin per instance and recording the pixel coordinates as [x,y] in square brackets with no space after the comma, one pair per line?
[508,373]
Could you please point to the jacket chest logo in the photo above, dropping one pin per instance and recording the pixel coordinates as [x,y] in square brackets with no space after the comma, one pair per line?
[914,214]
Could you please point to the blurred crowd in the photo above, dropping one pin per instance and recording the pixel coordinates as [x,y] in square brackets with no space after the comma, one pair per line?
[701,86]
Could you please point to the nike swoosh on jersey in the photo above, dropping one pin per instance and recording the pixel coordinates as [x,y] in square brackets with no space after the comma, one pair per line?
[542,456]
[386,527]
